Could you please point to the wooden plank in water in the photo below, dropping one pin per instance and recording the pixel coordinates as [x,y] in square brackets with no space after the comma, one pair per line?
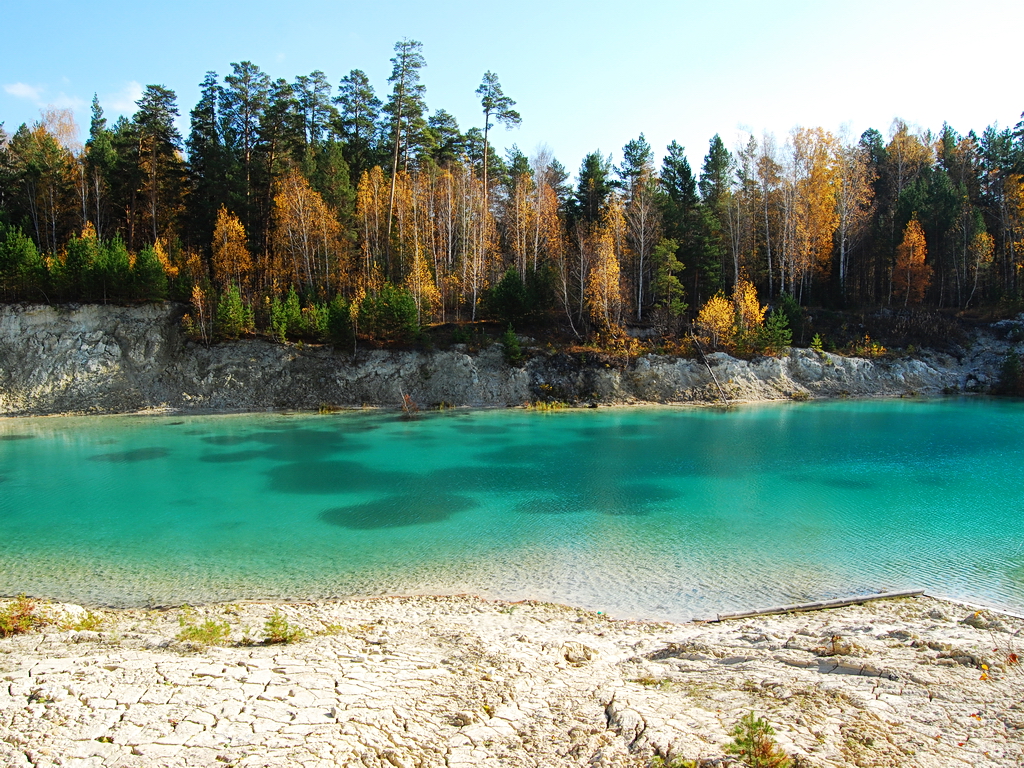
[820,605]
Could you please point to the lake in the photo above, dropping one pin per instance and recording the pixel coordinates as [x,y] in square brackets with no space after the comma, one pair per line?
[670,513]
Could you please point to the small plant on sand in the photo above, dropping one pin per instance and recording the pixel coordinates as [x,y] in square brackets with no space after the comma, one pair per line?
[753,743]
[19,616]
[87,622]
[675,762]
[209,632]
[277,630]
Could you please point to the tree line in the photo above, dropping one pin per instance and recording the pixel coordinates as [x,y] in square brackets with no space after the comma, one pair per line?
[303,210]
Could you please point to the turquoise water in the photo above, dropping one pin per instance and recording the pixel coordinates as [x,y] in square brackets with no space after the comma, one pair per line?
[647,512]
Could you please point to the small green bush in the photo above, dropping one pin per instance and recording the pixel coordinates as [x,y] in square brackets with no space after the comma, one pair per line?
[513,351]
[277,630]
[210,632]
[775,333]
[753,743]
[389,314]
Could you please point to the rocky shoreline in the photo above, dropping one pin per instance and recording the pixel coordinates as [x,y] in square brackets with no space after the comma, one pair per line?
[460,681]
[108,359]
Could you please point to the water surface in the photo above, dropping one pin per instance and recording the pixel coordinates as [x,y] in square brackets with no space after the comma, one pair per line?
[648,512]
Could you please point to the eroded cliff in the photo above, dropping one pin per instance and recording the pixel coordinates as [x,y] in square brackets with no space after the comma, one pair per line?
[93,358]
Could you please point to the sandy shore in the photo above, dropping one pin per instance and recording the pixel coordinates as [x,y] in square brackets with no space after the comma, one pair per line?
[458,681]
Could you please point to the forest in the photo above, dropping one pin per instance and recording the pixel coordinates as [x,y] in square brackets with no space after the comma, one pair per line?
[304,211]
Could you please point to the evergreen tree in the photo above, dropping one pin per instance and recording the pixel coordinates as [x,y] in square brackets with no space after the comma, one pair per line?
[160,143]
[358,120]
[99,162]
[447,145]
[405,109]
[207,164]
[243,100]
[313,99]
[592,187]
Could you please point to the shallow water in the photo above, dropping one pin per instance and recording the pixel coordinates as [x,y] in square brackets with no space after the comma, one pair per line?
[647,512]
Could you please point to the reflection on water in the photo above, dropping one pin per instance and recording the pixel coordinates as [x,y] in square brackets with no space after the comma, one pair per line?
[653,512]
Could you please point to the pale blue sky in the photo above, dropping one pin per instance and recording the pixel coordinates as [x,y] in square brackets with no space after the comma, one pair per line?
[586,75]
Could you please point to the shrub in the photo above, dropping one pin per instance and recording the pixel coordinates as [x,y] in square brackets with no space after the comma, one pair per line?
[513,352]
[19,617]
[209,632]
[794,313]
[775,333]
[277,630]
[233,316]
[753,743]
[149,281]
[508,301]
[339,321]
[389,314]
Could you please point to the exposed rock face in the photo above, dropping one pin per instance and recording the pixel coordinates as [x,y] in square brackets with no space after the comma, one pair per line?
[440,682]
[115,359]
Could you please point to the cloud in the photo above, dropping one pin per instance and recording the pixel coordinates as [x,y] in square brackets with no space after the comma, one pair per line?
[24,91]
[63,101]
[123,102]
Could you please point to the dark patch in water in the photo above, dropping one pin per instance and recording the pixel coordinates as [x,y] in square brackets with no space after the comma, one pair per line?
[397,511]
[519,454]
[305,439]
[232,457]
[12,438]
[128,457]
[174,423]
[847,483]
[330,477]
[227,439]
[482,429]
[196,432]
[107,441]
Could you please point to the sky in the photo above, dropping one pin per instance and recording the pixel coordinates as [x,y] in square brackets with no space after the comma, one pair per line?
[586,76]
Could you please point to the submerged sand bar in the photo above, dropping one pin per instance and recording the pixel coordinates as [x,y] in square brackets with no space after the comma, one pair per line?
[459,681]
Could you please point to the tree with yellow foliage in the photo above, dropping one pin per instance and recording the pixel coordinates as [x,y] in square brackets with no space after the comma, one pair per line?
[231,260]
[716,321]
[420,283]
[749,313]
[305,233]
[604,291]
[911,275]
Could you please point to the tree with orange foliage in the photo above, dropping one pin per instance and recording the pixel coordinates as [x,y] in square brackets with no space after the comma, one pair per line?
[231,260]
[911,275]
